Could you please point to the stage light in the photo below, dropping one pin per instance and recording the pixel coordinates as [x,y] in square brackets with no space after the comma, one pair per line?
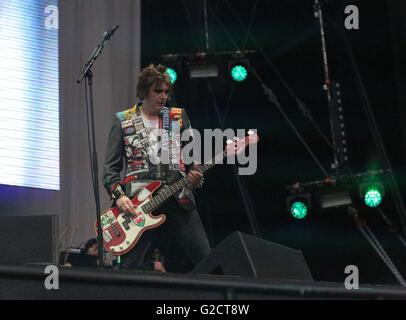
[172,75]
[372,193]
[298,209]
[298,205]
[373,198]
[238,68]
[239,73]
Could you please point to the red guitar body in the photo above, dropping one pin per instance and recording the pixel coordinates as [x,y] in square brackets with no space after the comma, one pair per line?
[121,231]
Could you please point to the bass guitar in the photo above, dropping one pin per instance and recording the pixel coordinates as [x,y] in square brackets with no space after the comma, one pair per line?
[122,230]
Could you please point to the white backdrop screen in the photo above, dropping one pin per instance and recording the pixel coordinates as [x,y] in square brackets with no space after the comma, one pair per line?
[29,99]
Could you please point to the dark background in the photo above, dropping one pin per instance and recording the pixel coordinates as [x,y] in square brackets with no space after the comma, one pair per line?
[289,36]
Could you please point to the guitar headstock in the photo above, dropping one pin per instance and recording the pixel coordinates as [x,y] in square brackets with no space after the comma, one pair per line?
[238,145]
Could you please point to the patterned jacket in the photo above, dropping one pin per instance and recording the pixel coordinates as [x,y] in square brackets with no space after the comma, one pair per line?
[124,150]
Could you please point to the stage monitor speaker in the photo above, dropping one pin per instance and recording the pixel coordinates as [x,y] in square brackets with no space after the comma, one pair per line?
[247,256]
[29,239]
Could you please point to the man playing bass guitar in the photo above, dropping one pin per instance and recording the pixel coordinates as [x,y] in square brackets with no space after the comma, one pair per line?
[136,140]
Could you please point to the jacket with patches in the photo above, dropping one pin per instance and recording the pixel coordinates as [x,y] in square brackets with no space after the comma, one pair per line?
[125,150]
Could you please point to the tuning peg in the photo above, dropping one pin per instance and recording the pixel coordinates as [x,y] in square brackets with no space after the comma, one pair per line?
[250,132]
[229,141]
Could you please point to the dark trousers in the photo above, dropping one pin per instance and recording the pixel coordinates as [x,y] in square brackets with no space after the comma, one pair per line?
[184,226]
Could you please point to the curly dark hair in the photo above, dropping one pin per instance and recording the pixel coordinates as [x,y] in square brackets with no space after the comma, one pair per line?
[151,76]
[90,243]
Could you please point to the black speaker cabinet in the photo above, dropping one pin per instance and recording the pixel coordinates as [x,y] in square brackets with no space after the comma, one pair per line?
[247,256]
[29,239]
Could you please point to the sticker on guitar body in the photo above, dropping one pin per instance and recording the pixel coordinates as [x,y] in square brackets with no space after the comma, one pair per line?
[121,230]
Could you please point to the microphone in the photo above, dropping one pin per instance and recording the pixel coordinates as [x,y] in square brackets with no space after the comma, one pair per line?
[109,33]
[96,52]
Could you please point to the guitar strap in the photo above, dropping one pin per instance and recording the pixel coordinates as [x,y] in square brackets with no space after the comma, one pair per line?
[164,152]
[141,133]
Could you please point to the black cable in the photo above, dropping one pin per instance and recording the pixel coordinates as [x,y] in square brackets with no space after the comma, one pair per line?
[377,138]
[300,103]
[224,29]
[307,114]
[229,98]
[253,10]
[241,185]
[375,244]
[191,24]
[277,103]
[243,189]
[206,28]
[212,22]
[272,98]
[302,106]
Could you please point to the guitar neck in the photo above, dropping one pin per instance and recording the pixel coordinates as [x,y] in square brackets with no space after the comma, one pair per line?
[158,200]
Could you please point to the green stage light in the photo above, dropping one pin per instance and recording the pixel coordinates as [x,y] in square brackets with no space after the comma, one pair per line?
[298,210]
[172,75]
[373,197]
[372,192]
[239,73]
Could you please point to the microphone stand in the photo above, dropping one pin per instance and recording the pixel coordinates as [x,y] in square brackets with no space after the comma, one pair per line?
[87,73]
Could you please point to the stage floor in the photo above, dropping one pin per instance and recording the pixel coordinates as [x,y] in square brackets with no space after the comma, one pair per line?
[28,282]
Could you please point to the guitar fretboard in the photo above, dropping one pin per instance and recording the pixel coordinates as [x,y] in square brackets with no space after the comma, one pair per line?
[159,199]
